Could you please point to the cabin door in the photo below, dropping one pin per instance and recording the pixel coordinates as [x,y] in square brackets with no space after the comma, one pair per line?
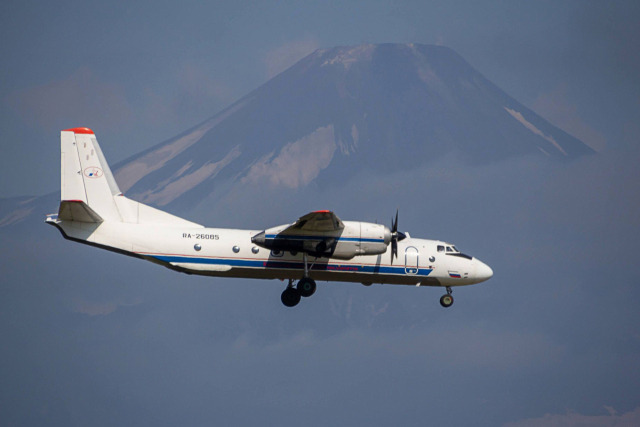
[411,260]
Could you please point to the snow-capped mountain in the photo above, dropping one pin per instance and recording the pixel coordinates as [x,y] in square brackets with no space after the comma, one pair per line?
[336,113]
[384,107]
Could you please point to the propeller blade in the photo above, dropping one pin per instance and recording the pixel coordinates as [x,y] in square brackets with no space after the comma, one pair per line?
[394,237]
[394,250]
[394,223]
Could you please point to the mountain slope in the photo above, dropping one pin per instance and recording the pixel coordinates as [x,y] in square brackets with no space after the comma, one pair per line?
[336,113]
[384,107]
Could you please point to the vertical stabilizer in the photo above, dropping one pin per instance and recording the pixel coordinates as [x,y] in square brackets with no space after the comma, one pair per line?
[86,176]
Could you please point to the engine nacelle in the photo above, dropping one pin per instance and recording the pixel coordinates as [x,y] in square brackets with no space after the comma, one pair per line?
[361,238]
[356,238]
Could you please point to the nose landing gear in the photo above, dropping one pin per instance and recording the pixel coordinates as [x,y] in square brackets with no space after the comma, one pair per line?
[447,299]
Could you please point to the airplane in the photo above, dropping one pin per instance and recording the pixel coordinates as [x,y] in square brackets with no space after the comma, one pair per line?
[318,246]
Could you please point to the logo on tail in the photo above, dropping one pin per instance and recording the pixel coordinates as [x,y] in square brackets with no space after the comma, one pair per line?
[93,172]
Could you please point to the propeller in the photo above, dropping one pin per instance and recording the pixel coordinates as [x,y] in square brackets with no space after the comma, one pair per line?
[396,236]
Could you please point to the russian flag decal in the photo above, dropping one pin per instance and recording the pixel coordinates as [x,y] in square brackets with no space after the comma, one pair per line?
[454,274]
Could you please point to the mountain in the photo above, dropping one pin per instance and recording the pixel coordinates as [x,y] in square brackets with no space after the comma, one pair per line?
[336,113]
[384,107]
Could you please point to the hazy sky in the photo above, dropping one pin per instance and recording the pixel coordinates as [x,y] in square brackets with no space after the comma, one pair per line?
[95,338]
[141,72]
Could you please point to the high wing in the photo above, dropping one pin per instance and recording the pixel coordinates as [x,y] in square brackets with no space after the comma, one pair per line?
[323,234]
[315,233]
[318,222]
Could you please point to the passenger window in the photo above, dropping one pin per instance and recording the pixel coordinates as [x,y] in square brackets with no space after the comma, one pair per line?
[440,248]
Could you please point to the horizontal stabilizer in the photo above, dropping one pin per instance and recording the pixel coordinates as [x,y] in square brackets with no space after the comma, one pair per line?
[77,210]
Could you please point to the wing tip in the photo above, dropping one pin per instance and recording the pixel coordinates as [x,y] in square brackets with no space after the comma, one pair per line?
[80,130]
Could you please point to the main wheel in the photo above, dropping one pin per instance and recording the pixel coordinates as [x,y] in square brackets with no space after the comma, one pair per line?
[446,300]
[290,297]
[306,286]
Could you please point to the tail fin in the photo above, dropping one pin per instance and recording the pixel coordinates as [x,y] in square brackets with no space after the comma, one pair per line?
[89,193]
[86,176]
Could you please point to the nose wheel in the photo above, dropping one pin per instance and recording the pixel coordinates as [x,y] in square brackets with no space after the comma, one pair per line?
[447,299]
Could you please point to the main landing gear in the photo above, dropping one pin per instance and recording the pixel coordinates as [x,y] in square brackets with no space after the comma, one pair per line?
[447,299]
[305,288]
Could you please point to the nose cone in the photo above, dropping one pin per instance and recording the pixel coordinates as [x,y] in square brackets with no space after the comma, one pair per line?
[483,271]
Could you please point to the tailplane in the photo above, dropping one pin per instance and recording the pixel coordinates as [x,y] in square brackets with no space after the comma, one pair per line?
[77,210]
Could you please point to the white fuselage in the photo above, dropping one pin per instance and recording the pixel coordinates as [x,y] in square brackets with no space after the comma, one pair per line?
[229,252]
[319,246]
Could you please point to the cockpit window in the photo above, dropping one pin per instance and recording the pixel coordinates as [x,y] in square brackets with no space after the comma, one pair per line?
[440,248]
[453,251]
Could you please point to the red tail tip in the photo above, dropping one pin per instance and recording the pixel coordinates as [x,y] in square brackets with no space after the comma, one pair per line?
[80,130]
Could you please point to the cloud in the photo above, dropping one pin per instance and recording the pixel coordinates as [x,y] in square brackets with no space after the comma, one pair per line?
[279,59]
[85,99]
[574,419]
[82,97]
[103,308]
[555,107]
[464,348]
[508,345]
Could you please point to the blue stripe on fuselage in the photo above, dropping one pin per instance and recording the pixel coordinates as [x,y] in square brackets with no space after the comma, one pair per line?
[292,265]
